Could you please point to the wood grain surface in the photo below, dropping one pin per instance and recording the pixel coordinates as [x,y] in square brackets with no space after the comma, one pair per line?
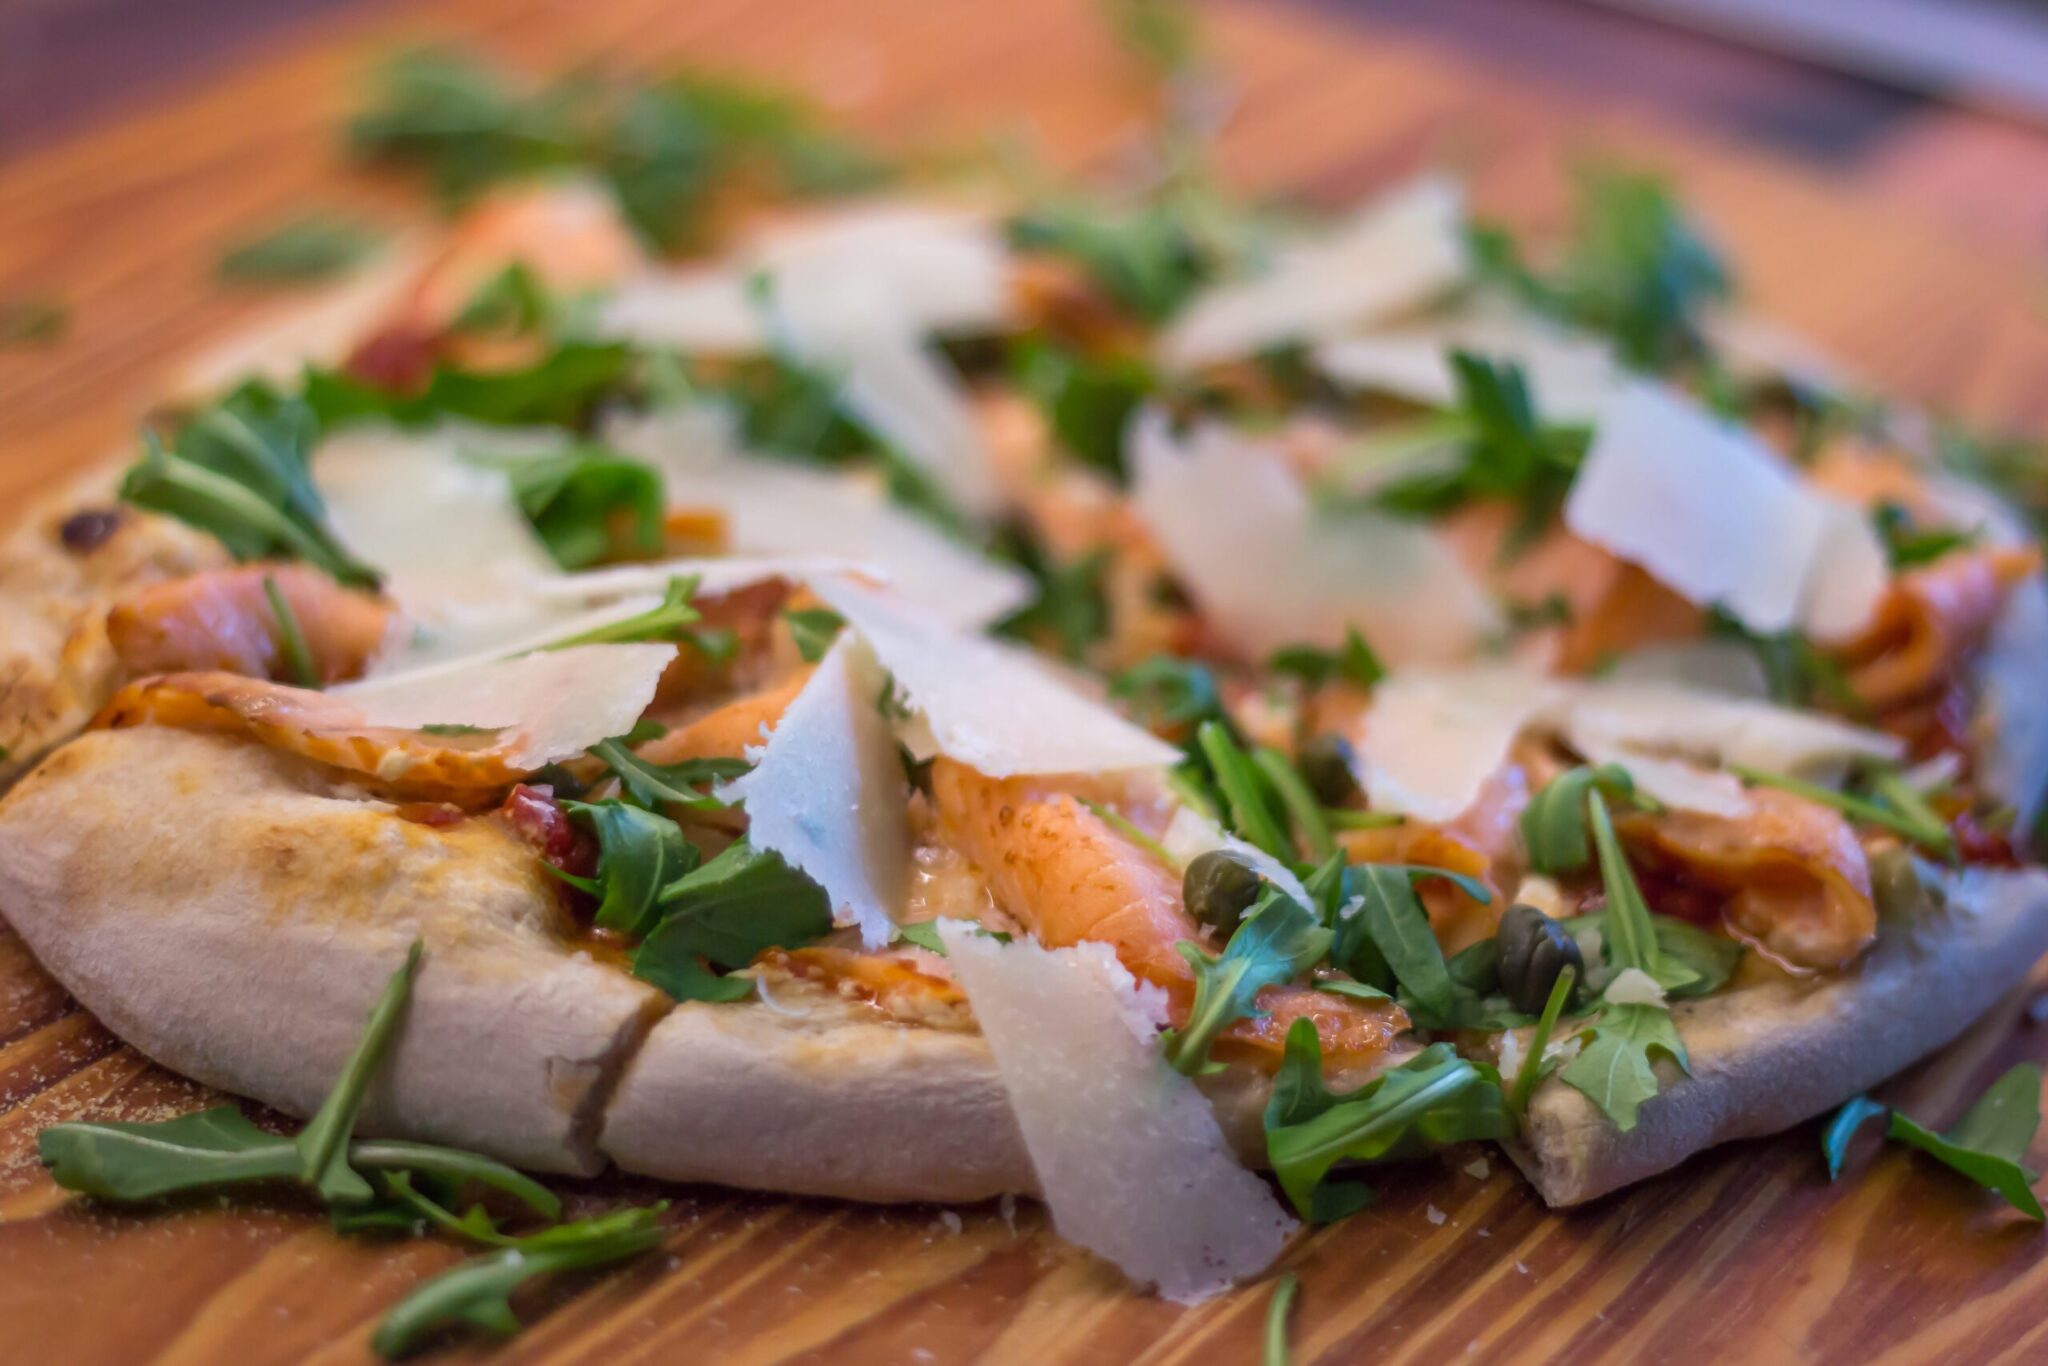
[1746,1254]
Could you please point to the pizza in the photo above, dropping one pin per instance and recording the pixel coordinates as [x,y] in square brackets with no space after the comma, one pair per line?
[937,699]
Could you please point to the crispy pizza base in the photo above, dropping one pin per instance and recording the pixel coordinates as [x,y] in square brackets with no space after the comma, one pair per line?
[1767,1057]
[233,912]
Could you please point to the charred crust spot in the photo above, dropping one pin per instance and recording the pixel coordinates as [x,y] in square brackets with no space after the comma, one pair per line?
[86,531]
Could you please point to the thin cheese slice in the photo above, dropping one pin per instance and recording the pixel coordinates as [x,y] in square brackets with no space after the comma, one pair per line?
[1190,834]
[1131,1160]
[999,709]
[1570,377]
[704,310]
[555,704]
[1430,741]
[774,508]
[1669,782]
[1397,253]
[1714,729]
[827,792]
[1719,518]
[1269,569]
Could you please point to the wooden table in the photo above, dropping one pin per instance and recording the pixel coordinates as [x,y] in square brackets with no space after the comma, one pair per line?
[1747,1254]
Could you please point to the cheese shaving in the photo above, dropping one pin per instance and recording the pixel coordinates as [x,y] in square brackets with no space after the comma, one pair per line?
[1430,741]
[1128,1153]
[1190,834]
[995,707]
[1570,377]
[1269,569]
[1395,254]
[1720,519]
[555,704]
[828,794]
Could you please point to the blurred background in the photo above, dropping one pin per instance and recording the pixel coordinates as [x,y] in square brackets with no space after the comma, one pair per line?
[1943,103]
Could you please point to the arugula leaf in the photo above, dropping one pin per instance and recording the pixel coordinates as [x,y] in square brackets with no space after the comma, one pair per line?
[458,728]
[1304,813]
[306,249]
[1147,258]
[1392,918]
[1840,1130]
[323,1143]
[664,622]
[1637,269]
[1071,610]
[1989,1143]
[1908,545]
[238,472]
[1503,451]
[1435,1098]
[727,912]
[1087,400]
[291,640]
[1554,825]
[560,389]
[33,321]
[1168,691]
[1629,937]
[1278,941]
[121,1161]
[1532,1068]
[513,300]
[1696,962]
[653,785]
[586,500]
[1613,1069]
[1904,813]
[639,854]
[924,934]
[814,628]
[1284,1291]
[1244,791]
[478,1292]
[1355,662]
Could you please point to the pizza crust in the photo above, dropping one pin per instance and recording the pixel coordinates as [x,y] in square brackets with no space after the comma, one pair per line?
[219,907]
[1767,1057]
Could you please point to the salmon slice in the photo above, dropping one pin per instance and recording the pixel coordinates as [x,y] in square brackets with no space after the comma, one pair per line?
[727,732]
[221,621]
[1930,621]
[1795,875]
[1061,870]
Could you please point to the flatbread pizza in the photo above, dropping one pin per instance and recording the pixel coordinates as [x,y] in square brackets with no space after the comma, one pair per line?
[891,710]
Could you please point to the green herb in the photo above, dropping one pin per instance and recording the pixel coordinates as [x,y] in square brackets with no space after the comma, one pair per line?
[1303,811]
[1531,1070]
[668,621]
[1087,401]
[291,640]
[584,499]
[1908,545]
[1361,991]
[814,629]
[1165,691]
[1637,270]
[924,934]
[1148,258]
[1071,611]
[1434,1099]
[1989,1143]
[727,912]
[1121,823]
[513,300]
[1693,962]
[1797,672]
[455,728]
[1160,34]
[1355,662]
[640,853]
[1343,818]
[1277,942]
[1840,1130]
[478,1292]
[1284,1291]
[1391,920]
[301,251]
[1915,821]
[1244,792]
[323,1143]
[238,471]
[653,785]
[560,389]
[1554,823]
[32,321]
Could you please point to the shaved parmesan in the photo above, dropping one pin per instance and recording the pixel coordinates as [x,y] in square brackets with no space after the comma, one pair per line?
[555,705]
[1669,782]
[515,626]
[775,508]
[703,309]
[999,709]
[1270,569]
[1712,729]
[1395,254]
[1633,987]
[1190,834]
[827,792]
[1719,518]
[1569,376]
[1129,1156]
[1722,666]
[1430,741]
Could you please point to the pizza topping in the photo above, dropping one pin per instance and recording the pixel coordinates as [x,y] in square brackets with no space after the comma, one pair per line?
[1128,1154]
[86,531]
[1218,889]
[1534,951]
[225,620]
[1989,1144]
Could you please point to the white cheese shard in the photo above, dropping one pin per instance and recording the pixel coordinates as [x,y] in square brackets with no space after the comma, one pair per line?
[1633,987]
[776,508]
[1428,743]
[997,708]
[1190,834]
[1570,376]
[701,310]
[1395,254]
[1270,569]
[1711,729]
[1131,1160]
[1722,666]
[555,704]
[827,792]
[1720,519]
[1669,782]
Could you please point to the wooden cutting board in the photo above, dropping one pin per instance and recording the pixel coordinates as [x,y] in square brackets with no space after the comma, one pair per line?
[1746,1254]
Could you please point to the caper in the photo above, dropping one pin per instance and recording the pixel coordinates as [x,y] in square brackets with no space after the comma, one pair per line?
[1219,887]
[1325,764]
[1895,886]
[1534,949]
